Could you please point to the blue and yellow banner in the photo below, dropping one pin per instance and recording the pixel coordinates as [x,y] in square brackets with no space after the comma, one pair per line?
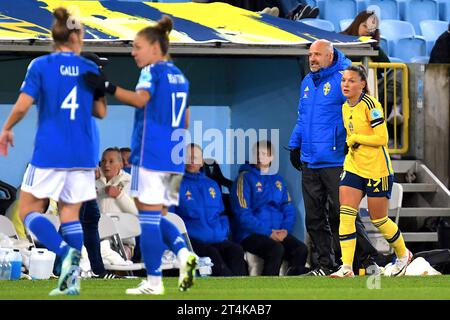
[193,22]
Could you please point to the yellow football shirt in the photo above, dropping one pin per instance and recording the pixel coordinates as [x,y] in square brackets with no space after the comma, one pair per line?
[370,159]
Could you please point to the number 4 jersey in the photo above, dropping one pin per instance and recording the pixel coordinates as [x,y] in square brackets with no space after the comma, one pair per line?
[65,137]
[156,143]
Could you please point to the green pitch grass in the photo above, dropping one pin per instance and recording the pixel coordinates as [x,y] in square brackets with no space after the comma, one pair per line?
[246,288]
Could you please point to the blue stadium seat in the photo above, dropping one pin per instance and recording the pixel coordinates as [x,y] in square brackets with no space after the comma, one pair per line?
[401,8]
[393,30]
[408,48]
[420,59]
[418,10]
[345,23]
[444,10]
[321,5]
[312,3]
[395,60]
[431,30]
[361,5]
[388,8]
[384,45]
[337,10]
[319,23]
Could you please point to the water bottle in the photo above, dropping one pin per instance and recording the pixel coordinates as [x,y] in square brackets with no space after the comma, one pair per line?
[5,270]
[204,266]
[16,264]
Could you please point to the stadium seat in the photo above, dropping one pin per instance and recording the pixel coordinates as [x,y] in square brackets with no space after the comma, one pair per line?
[312,3]
[321,5]
[127,224]
[388,8]
[418,10]
[420,59]
[361,5]
[393,30]
[396,29]
[345,23]
[431,30]
[384,45]
[319,23]
[444,10]
[337,10]
[395,60]
[107,229]
[179,223]
[7,227]
[408,48]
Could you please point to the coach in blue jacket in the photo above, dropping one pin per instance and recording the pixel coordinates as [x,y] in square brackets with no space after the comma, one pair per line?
[317,148]
[202,209]
[265,216]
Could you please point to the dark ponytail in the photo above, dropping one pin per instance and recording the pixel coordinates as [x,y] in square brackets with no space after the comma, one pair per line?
[159,32]
[361,71]
[64,25]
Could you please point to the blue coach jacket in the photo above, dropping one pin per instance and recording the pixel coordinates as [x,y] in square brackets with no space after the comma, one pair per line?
[200,207]
[260,203]
[319,131]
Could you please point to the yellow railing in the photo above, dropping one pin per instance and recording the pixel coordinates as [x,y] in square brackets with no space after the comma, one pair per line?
[400,138]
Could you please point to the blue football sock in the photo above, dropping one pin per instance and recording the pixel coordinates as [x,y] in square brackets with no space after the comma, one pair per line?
[172,236]
[46,233]
[152,245]
[72,233]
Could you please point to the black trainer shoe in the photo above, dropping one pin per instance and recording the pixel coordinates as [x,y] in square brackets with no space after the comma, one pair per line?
[319,272]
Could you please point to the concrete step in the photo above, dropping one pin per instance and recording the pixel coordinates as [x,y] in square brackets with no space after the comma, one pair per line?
[421,212]
[420,236]
[403,166]
[419,187]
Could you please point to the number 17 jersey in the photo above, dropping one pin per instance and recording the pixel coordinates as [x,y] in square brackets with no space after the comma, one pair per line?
[158,131]
[65,137]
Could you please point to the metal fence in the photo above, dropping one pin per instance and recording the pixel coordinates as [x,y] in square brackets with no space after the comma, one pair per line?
[391,89]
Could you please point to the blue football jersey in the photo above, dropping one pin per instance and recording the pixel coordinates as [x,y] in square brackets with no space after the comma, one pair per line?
[65,137]
[152,143]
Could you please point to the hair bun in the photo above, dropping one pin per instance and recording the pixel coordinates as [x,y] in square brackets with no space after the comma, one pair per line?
[165,24]
[61,14]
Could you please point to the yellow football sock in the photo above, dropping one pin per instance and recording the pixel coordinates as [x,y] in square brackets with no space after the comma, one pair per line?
[392,234]
[347,234]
